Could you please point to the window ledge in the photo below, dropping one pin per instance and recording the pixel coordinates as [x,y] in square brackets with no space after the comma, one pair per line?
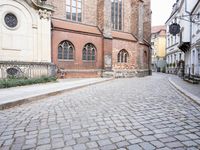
[89,61]
[66,60]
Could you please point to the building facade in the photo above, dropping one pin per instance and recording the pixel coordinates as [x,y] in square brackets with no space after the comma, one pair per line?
[186,14]
[158,44]
[25,39]
[194,64]
[174,56]
[186,34]
[101,37]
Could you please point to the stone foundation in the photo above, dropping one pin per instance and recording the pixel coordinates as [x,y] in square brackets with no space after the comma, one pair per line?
[93,73]
[126,73]
[26,69]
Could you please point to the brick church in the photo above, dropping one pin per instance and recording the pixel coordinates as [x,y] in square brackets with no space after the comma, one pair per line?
[93,38]
[75,38]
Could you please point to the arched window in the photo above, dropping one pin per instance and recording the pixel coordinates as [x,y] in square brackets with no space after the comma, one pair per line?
[66,50]
[122,56]
[89,52]
[116,14]
[145,57]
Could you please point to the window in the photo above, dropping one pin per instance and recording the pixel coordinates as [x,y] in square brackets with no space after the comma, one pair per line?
[116,14]
[11,20]
[89,52]
[172,40]
[122,56]
[174,57]
[168,41]
[74,10]
[66,51]
[145,57]
[198,57]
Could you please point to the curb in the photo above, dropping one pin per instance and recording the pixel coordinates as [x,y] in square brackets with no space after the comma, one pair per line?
[46,95]
[185,93]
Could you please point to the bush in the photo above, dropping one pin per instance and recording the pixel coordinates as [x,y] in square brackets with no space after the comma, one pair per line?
[13,82]
[163,70]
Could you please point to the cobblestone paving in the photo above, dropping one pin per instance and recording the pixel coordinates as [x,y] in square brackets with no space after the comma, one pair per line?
[191,88]
[139,113]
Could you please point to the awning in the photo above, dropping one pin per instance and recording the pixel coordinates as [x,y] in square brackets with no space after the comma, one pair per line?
[184,46]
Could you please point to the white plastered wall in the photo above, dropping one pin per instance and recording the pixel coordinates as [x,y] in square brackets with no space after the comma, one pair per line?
[30,40]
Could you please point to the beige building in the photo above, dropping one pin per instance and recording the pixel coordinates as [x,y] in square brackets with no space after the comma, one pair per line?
[158,42]
[25,38]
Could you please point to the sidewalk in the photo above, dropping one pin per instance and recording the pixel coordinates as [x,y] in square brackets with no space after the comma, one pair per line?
[190,90]
[18,95]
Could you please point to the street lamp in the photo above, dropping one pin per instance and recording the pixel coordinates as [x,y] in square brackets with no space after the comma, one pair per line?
[174,28]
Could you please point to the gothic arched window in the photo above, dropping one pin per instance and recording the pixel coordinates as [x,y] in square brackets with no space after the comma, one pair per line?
[66,50]
[145,58]
[89,52]
[116,14]
[74,10]
[122,56]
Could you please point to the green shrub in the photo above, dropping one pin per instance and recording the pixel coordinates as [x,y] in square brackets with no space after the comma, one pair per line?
[163,70]
[13,81]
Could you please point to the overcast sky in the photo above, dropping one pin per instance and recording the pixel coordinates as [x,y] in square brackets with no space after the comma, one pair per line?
[161,10]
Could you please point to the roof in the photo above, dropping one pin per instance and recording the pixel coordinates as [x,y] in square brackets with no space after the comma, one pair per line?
[57,23]
[157,29]
[198,2]
[123,36]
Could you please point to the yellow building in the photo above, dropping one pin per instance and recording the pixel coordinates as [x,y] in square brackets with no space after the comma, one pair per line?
[158,43]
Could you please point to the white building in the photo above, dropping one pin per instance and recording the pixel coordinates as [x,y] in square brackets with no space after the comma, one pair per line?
[186,34]
[194,53]
[185,45]
[25,38]
[173,54]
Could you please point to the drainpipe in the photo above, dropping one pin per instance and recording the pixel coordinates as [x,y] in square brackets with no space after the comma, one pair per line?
[189,13]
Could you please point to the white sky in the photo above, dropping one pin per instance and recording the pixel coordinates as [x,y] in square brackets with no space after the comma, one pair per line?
[161,10]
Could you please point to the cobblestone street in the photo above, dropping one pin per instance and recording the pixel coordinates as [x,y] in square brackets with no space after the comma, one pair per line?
[136,113]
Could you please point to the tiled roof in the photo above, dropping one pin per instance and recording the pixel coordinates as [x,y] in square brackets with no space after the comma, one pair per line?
[123,35]
[157,29]
[75,26]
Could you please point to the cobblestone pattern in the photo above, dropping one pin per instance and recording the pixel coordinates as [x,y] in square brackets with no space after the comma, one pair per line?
[139,113]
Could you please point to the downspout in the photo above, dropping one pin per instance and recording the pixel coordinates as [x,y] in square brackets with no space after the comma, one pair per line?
[189,13]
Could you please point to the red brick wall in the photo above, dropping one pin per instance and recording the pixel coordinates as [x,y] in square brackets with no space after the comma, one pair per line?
[91,74]
[131,48]
[89,10]
[79,41]
[97,13]
[147,20]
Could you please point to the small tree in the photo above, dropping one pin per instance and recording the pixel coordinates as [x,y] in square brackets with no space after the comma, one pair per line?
[163,70]
[174,64]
